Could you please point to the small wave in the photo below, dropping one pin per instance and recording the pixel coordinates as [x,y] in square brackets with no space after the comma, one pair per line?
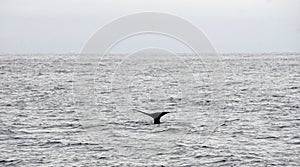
[65,125]
[296,137]
[81,144]
[63,71]
[276,95]
[10,161]
[7,105]
[6,131]
[50,143]
[295,143]
[58,88]
[105,110]
[166,130]
[138,122]
[268,137]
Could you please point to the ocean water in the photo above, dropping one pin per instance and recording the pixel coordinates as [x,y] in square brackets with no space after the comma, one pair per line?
[61,110]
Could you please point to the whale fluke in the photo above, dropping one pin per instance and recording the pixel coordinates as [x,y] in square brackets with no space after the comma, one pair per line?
[156,116]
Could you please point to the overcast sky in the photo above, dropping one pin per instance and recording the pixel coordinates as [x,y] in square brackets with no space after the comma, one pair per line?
[57,26]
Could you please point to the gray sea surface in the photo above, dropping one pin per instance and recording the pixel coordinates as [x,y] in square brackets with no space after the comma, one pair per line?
[61,110]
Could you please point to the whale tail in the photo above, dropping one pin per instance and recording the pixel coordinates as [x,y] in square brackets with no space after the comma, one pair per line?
[156,116]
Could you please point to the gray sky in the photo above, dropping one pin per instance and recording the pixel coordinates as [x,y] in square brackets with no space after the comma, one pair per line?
[56,26]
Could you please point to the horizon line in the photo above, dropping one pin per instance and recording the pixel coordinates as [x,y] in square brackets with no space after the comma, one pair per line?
[76,53]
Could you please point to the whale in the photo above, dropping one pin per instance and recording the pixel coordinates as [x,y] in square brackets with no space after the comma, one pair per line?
[156,116]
